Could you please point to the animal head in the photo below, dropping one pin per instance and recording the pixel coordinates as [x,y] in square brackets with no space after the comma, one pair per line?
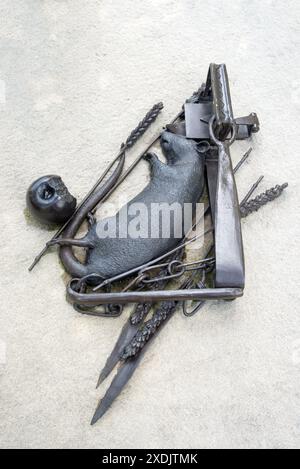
[177,148]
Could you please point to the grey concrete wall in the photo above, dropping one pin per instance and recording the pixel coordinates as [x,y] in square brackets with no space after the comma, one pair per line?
[75,77]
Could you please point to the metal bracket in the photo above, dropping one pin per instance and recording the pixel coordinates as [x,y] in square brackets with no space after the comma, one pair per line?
[215,100]
[197,116]
[246,126]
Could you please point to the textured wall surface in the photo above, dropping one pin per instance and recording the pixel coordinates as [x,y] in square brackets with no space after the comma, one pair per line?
[75,77]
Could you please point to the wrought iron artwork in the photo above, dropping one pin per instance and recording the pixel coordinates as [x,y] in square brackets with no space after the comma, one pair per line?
[155,273]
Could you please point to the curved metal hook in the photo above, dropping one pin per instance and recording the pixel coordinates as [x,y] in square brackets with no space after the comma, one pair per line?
[200,303]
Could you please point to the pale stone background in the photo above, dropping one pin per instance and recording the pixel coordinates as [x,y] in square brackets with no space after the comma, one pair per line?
[76,76]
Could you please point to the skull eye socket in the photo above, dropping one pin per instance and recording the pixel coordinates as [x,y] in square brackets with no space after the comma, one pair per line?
[46,192]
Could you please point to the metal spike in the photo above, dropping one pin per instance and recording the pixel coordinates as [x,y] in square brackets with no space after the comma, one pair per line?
[245,156]
[127,333]
[120,380]
[122,377]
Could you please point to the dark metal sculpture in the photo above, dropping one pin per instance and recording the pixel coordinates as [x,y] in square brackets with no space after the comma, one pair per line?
[154,273]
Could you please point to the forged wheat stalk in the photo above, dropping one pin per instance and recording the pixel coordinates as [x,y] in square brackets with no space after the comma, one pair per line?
[262,199]
[142,126]
[131,140]
[148,329]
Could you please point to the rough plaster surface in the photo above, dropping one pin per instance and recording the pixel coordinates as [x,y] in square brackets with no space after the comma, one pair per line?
[76,76]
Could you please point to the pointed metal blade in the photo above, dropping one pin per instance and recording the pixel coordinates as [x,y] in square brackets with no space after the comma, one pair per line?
[120,380]
[127,333]
[122,377]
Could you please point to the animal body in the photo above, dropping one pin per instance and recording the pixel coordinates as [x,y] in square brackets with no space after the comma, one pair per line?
[180,181]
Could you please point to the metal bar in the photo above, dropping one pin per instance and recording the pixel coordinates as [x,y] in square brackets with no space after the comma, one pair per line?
[221,94]
[92,299]
[230,269]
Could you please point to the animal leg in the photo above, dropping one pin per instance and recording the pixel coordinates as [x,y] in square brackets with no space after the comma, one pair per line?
[155,163]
